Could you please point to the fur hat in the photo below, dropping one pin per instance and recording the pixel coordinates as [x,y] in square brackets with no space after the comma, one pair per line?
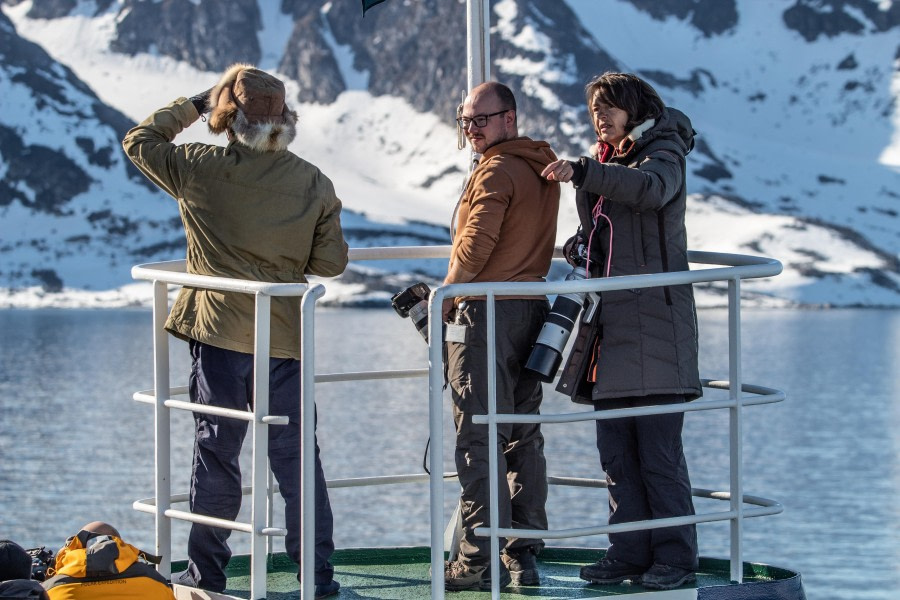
[250,103]
[15,563]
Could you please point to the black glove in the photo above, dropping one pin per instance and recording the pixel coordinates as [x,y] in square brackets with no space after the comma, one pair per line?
[572,249]
[201,101]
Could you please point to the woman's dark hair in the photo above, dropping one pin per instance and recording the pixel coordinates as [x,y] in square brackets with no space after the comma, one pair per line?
[626,92]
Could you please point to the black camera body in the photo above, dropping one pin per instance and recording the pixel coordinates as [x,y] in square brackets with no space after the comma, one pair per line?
[413,303]
[41,560]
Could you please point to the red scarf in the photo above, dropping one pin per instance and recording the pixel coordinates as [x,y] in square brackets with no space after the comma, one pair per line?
[604,151]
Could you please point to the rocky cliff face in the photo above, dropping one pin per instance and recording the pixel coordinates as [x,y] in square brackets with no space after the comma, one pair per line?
[58,142]
[309,58]
[711,17]
[423,61]
[75,212]
[206,35]
[830,18]
[41,174]
[415,49]
[63,176]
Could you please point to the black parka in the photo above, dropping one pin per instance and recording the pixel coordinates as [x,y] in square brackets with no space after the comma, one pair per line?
[649,335]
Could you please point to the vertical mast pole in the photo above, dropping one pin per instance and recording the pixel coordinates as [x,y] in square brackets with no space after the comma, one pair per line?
[478,42]
[478,58]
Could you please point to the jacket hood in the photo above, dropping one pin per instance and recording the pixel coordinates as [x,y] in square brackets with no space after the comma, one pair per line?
[537,154]
[674,126]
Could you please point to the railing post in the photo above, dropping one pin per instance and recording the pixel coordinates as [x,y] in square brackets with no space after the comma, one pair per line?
[735,428]
[493,458]
[436,431]
[308,440]
[270,513]
[478,42]
[260,491]
[161,429]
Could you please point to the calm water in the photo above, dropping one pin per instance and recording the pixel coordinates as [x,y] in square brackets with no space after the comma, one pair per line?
[76,448]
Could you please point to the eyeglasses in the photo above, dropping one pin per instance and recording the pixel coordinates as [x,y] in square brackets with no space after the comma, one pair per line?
[479,120]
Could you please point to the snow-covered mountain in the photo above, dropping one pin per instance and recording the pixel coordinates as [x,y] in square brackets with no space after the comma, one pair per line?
[795,103]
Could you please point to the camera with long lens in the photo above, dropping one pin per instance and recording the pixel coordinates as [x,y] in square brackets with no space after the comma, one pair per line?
[546,356]
[412,303]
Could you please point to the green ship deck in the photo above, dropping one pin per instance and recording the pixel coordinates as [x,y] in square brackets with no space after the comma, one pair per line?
[401,573]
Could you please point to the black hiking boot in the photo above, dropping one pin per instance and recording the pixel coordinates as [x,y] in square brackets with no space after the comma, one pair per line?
[608,572]
[665,577]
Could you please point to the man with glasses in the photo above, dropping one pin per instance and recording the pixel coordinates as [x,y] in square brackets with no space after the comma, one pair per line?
[504,229]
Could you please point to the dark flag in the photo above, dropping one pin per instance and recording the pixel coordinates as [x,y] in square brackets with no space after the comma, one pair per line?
[367,4]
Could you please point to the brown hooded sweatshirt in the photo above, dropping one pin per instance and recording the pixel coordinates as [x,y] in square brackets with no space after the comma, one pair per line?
[505,227]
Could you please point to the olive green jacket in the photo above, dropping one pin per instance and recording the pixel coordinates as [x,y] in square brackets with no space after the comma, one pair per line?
[261,216]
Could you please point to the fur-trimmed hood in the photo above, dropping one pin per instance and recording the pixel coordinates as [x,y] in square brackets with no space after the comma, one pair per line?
[250,104]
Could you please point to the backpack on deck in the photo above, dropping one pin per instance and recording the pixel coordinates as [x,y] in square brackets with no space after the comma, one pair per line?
[104,566]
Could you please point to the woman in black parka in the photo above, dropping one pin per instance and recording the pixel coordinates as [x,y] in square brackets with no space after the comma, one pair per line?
[631,204]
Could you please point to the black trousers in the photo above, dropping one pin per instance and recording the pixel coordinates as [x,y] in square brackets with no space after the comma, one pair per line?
[647,478]
[522,472]
[224,378]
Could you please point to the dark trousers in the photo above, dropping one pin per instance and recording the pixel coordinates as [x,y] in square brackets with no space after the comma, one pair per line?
[522,476]
[224,378]
[647,477]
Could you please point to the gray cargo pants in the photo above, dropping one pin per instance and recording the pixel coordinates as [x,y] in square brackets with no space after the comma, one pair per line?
[522,469]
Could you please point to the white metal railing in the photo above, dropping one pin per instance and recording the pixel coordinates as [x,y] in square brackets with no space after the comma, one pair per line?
[737,267]
[162,275]
[162,398]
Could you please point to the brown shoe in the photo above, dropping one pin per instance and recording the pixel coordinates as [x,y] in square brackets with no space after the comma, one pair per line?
[522,567]
[458,576]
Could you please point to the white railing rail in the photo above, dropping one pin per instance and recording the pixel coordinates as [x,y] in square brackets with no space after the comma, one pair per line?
[738,267]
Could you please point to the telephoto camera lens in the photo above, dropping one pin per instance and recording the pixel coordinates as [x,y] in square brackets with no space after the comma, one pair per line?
[546,355]
[413,303]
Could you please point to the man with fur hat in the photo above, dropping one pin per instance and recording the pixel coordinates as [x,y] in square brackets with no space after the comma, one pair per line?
[251,210]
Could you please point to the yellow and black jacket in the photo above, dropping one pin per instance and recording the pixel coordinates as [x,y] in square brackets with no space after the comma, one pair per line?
[107,568]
